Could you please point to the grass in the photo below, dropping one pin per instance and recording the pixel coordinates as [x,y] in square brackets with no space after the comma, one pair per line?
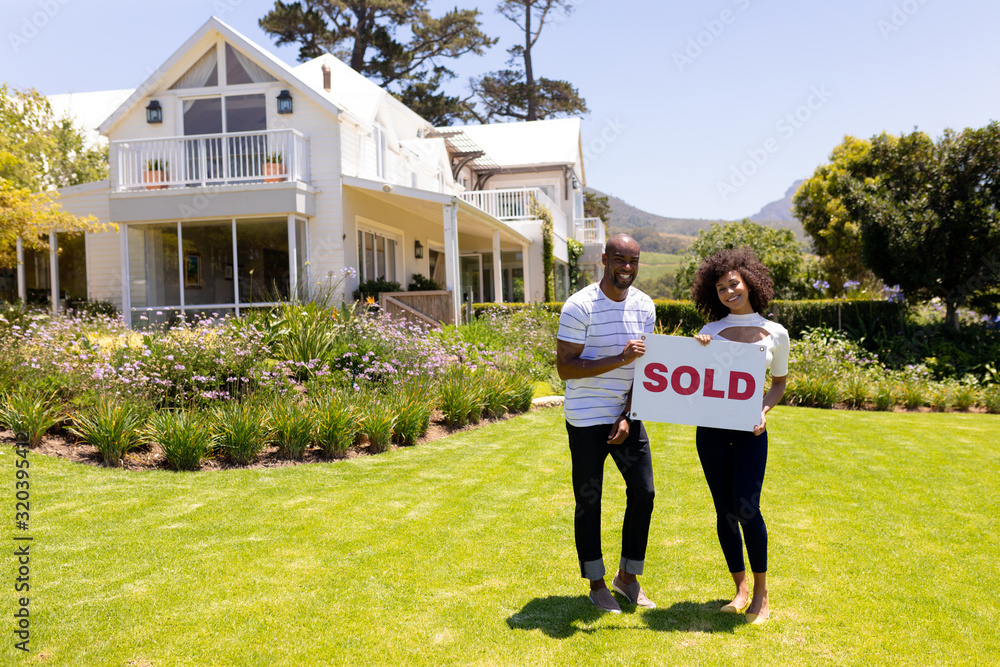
[882,551]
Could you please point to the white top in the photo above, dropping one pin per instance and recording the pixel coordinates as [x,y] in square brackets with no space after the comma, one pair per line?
[776,342]
[603,327]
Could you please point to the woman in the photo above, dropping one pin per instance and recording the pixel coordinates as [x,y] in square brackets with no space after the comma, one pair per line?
[731,288]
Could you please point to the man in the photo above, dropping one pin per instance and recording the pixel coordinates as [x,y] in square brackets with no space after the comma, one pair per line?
[599,339]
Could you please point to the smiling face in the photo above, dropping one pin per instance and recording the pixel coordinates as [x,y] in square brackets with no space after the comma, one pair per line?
[621,263]
[734,293]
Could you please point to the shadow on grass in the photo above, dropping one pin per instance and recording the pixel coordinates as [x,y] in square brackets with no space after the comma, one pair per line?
[558,616]
[693,617]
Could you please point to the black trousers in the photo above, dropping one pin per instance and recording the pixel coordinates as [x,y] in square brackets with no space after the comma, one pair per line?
[588,446]
[734,463]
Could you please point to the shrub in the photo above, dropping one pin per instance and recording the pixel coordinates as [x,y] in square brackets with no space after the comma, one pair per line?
[29,415]
[942,396]
[183,437]
[336,423]
[413,405]
[419,283]
[498,393]
[372,288]
[241,430]
[291,426]
[522,390]
[378,421]
[112,426]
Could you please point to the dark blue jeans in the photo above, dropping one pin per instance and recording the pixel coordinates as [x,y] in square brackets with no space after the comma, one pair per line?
[588,446]
[734,463]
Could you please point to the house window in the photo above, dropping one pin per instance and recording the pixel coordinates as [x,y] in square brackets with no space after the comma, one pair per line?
[380,151]
[240,69]
[376,256]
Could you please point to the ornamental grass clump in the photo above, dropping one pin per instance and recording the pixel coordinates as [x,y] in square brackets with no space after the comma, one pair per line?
[29,415]
[241,431]
[291,425]
[913,394]
[183,436]
[336,423]
[991,399]
[965,394]
[818,390]
[498,393]
[378,419]
[113,426]
[414,404]
[855,391]
[461,397]
[884,397]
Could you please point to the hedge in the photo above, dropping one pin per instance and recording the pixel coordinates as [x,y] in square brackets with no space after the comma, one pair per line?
[860,318]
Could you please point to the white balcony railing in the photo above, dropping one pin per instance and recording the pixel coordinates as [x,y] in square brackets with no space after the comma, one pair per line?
[210,159]
[509,204]
[590,231]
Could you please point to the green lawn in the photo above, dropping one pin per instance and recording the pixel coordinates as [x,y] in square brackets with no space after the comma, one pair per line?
[883,531]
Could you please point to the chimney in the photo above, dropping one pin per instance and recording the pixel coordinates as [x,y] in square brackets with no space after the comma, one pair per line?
[326,77]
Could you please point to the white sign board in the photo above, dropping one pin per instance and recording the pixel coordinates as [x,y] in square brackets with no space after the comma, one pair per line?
[681,381]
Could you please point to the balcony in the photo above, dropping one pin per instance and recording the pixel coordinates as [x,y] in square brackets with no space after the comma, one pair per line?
[589,231]
[236,158]
[510,204]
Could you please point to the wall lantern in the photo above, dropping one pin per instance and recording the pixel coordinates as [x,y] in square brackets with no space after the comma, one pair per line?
[154,113]
[284,102]
[418,250]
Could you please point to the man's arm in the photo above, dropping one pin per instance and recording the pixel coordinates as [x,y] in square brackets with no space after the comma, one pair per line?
[571,367]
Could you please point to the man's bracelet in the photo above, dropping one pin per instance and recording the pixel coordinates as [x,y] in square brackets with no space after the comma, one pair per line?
[627,418]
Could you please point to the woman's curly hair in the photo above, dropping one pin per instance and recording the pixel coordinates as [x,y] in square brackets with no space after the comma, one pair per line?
[756,277]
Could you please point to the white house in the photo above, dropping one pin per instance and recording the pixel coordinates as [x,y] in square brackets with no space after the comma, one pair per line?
[237,181]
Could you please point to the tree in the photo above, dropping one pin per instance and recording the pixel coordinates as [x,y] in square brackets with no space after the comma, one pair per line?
[30,216]
[778,249]
[39,151]
[516,93]
[363,33]
[818,204]
[596,206]
[929,214]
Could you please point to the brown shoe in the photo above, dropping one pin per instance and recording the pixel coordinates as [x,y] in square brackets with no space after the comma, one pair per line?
[633,593]
[603,599]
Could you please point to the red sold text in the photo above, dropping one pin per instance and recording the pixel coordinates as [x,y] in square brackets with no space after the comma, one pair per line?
[686,380]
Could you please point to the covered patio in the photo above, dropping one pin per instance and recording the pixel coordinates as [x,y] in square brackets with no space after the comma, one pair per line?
[474,254]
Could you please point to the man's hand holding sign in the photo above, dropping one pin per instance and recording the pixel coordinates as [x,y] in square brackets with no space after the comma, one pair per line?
[685,381]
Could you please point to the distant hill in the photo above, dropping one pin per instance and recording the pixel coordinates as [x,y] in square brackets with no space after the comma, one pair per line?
[627,218]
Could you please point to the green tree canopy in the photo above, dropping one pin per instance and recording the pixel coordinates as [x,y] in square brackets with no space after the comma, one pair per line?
[778,249]
[516,93]
[818,204]
[929,214]
[39,151]
[364,34]
[30,216]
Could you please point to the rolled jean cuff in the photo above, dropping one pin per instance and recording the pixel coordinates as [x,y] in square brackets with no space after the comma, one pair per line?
[592,569]
[631,566]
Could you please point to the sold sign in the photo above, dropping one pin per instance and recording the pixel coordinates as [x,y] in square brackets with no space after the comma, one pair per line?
[681,381]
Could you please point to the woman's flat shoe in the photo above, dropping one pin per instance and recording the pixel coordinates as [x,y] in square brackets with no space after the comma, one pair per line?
[730,609]
[755,619]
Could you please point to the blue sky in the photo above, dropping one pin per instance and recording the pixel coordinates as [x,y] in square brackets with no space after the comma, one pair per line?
[698,109]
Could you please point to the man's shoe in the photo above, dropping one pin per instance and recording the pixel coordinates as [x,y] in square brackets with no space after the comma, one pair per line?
[633,593]
[603,599]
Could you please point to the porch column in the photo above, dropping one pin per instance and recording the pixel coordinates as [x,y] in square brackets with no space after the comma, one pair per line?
[293,262]
[497,271]
[526,270]
[53,272]
[453,276]
[125,276]
[22,287]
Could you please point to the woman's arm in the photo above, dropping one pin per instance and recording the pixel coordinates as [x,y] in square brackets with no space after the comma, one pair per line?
[771,399]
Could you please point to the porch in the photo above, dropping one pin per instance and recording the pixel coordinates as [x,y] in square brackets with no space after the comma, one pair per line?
[271,156]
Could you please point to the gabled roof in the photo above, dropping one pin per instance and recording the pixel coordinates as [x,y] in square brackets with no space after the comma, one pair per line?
[348,88]
[525,144]
[165,75]
[88,110]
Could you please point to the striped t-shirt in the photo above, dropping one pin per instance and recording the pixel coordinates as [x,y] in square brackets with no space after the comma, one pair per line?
[603,327]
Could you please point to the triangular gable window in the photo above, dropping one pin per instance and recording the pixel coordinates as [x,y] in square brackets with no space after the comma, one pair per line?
[240,69]
[204,73]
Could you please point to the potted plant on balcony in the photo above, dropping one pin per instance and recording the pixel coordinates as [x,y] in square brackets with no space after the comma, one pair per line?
[156,172]
[274,168]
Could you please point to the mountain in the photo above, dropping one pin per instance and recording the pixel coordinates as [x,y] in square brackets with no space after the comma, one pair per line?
[780,209]
[627,218]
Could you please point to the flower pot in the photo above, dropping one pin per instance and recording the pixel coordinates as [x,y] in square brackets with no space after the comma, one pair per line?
[155,176]
[274,172]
